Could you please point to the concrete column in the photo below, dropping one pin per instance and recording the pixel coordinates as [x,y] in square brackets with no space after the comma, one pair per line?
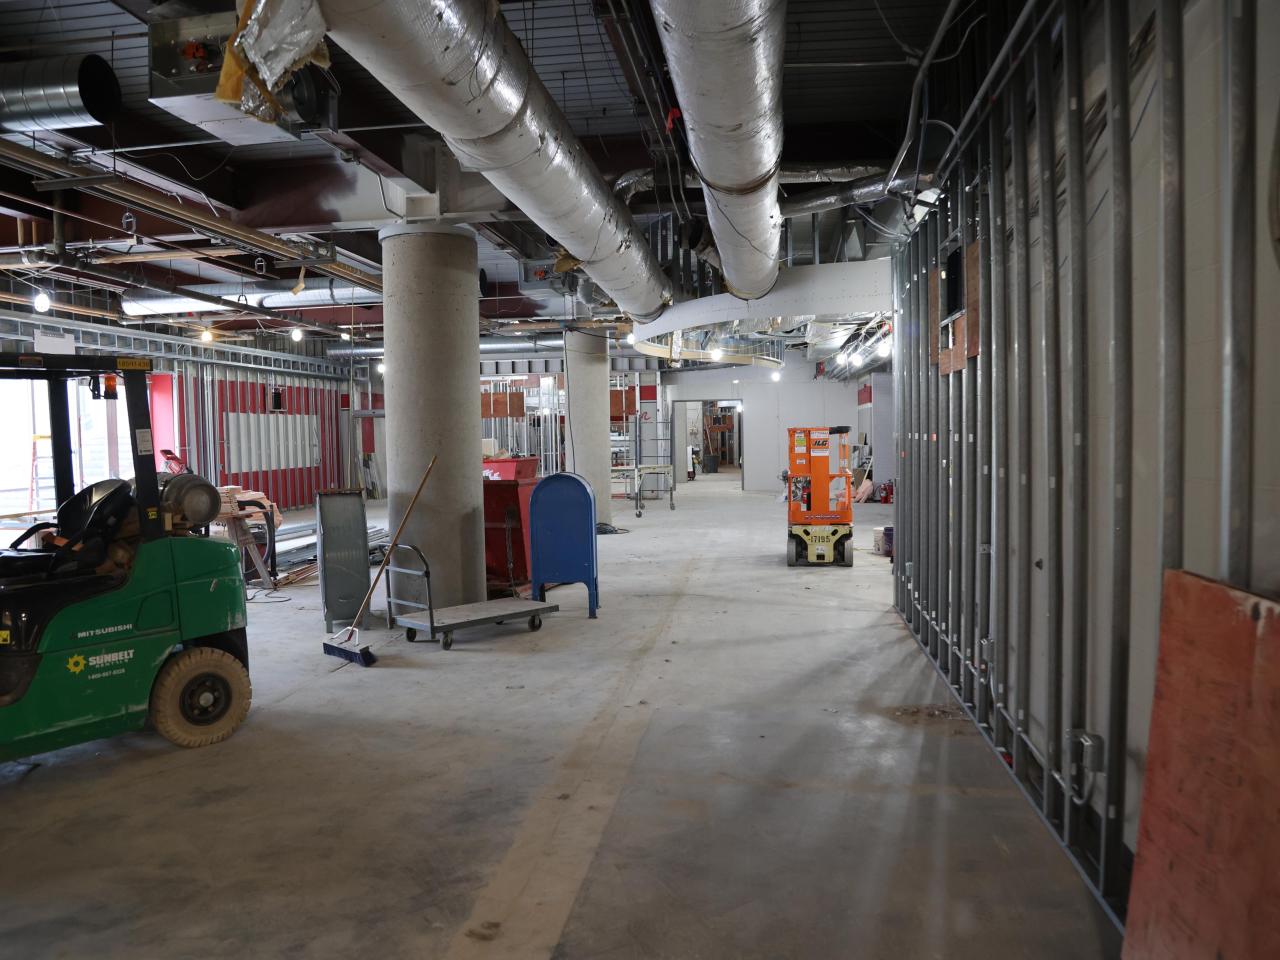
[431,388]
[587,431]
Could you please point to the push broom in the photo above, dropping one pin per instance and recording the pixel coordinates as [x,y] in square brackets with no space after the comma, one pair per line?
[349,648]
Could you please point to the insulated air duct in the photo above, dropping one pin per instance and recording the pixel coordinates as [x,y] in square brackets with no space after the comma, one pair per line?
[60,93]
[457,65]
[725,61]
[271,294]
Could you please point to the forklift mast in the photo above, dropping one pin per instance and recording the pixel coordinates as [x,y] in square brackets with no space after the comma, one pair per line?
[57,370]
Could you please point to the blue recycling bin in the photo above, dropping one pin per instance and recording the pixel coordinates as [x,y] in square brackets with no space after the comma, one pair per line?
[562,534]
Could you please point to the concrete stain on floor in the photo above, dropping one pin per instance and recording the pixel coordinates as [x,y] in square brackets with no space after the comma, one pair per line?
[737,760]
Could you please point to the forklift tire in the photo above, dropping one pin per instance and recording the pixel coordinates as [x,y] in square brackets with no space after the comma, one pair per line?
[200,697]
[793,552]
[846,554]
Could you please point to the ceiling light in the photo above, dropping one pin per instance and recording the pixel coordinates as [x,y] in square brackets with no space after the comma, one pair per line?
[885,347]
[382,368]
[295,334]
[857,359]
[41,302]
[344,335]
[737,381]
[631,338]
[206,335]
[842,358]
[775,376]
[546,411]
[716,354]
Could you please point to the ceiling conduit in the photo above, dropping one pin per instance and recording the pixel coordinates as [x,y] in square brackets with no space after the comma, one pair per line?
[457,65]
[267,294]
[725,61]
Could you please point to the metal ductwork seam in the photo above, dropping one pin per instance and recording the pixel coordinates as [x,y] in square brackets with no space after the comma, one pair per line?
[457,65]
[60,93]
[725,61]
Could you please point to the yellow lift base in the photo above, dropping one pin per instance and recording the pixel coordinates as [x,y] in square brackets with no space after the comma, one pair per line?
[820,544]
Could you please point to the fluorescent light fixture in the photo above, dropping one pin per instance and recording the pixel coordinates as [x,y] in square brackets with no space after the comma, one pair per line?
[382,368]
[885,348]
[206,335]
[295,334]
[857,359]
[345,335]
[716,354]
[546,411]
[631,338]
[775,376]
[41,302]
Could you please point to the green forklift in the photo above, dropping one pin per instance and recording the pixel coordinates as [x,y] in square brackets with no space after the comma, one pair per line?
[118,614]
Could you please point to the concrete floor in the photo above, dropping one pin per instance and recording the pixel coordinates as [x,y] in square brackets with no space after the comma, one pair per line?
[736,759]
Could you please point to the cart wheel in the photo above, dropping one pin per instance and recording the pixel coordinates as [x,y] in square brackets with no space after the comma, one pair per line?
[638,514]
[200,697]
[792,552]
[410,634]
[446,641]
[673,506]
[535,622]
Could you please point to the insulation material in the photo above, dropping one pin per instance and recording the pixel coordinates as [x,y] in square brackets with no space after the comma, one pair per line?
[274,39]
[281,37]
[467,76]
[726,65]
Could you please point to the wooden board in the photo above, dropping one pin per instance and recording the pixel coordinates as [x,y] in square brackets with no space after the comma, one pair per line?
[1206,880]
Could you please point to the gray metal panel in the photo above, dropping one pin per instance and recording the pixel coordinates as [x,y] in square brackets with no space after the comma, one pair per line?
[342,548]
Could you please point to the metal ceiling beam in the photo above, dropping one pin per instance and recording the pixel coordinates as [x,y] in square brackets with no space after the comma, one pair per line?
[206,223]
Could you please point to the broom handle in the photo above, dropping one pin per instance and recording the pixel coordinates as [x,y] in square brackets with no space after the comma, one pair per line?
[391,548]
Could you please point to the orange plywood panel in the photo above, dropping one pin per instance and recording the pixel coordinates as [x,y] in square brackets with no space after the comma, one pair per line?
[1206,880]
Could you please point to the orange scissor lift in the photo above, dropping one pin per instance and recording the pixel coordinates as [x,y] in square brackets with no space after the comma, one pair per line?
[819,482]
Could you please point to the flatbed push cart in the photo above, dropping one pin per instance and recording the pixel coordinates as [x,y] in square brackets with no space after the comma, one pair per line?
[442,622]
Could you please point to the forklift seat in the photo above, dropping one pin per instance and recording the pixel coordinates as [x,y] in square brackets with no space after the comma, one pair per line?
[86,524]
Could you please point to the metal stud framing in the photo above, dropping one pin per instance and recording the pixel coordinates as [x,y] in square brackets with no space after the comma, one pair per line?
[969,491]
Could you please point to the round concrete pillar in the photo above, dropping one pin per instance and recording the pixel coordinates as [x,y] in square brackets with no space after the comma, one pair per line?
[587,450]
[431,389]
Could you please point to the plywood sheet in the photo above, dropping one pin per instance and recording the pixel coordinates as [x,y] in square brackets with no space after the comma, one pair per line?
[1206,880]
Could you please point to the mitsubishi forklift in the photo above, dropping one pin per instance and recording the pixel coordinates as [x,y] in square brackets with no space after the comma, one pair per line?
[819,483]
[117,614]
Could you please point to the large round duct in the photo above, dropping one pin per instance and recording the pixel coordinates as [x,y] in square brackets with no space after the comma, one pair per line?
[59,93]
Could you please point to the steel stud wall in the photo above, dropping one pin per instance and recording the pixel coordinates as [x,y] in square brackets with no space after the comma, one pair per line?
[1105,427]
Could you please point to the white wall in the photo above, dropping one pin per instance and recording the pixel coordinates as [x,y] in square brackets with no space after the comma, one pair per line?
[768,408]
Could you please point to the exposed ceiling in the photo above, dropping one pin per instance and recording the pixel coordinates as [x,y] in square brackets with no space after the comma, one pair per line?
[848,72]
